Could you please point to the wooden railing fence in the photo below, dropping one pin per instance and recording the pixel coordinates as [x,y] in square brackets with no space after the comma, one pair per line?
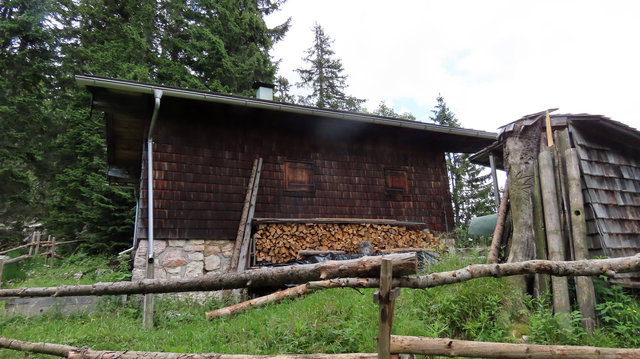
[35,244]
[388,290]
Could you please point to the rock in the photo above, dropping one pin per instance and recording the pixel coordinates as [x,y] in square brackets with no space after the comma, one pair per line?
[78,275]
[159,273]
[191,247]
[137,274]
[173,258]
[211,263]
[177,243]
[210,249]
[196,241]
[194,269]
[174,270]
[227,249]
[159,246]
[195,256]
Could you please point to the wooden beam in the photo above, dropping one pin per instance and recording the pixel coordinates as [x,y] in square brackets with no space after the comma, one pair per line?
[464,348]
[340,221]
[542,282]
[311,252]
[554,237]
[243,219]
[584,285]
[384,297]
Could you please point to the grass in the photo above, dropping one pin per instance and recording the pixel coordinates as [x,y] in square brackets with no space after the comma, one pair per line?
[329,321]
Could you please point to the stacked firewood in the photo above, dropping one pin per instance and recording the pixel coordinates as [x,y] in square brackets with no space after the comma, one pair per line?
[281,242]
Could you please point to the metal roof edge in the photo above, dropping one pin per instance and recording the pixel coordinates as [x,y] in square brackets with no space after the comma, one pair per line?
[125,85]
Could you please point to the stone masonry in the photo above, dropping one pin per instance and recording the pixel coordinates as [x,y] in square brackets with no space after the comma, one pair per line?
[180,258]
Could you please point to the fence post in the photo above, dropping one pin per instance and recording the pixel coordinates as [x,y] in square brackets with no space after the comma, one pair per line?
[385,297]
[1,269]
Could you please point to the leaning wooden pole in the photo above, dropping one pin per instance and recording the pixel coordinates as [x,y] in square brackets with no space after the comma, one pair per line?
[463,348]
[589,267]
[584,285]
[258,302]
[243,219]
[554,237]
[403,264]
[494,251]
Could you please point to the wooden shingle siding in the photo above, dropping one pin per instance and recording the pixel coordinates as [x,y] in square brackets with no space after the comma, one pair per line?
[611,173]
[202,168]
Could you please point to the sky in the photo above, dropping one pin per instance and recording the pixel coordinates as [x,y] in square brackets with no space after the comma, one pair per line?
[492,61]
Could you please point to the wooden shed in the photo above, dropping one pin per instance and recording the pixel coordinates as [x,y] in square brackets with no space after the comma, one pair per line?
[317,163]
[609,161]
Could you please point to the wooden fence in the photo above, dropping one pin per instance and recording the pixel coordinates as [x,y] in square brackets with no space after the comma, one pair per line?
[388,290]
[35,245]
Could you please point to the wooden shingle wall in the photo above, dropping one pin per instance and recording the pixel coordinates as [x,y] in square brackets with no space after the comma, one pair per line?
[202,167]
[611,175]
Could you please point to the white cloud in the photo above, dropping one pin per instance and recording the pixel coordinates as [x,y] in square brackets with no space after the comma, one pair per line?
[493,61]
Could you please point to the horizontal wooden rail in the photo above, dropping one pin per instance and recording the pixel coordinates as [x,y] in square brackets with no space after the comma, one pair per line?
[403,264]
[70,352]
[465,348]
[586,267]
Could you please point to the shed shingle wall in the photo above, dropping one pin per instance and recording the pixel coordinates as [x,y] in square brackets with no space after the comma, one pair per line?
[202,168]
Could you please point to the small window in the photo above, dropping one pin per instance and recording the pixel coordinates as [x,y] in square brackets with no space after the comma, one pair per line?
[298,176]
[396,181]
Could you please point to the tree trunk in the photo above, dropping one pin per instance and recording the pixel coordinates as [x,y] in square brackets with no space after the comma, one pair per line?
[592,267]
[403,264]
[257,302]
[464,348]
[518,152]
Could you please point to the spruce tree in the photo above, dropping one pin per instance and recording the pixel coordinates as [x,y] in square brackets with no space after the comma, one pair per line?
[470,187]
[324,76]
[27,52]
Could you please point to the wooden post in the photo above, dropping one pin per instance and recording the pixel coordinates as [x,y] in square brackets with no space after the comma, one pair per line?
[36,250]
[148,304]
[31,242]
[584,285]
[52,251]
[494,177]
[554,237]
[385,296]
[1,269]
[542,284]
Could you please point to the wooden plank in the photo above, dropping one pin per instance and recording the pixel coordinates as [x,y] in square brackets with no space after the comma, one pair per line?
[243,219]
[149,302]
[584,285]
[246,240]
[339,221]
[311,252]
[37,248]
[554,236]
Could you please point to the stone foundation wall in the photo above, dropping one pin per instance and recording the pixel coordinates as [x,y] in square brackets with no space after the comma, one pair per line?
[180,258]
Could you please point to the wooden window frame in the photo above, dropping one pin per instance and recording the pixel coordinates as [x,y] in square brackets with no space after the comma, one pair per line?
[392,188]
[303,187]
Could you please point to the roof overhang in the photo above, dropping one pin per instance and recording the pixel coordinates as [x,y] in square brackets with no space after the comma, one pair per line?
[128,106]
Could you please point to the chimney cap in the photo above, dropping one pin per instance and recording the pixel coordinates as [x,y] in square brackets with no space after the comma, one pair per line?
[258,84]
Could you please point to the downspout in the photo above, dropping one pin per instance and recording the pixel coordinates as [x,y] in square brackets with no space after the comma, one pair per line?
[135,228]
[157,94]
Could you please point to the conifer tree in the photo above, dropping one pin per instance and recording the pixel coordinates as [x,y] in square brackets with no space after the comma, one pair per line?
[470,188]
[324,76]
